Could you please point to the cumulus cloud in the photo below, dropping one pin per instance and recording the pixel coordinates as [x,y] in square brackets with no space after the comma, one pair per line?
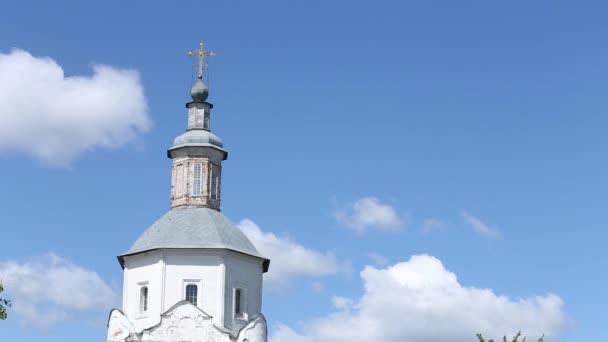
[481,228]
[288,258]
[419,300]
[55,118]
[369,212]
[51,289]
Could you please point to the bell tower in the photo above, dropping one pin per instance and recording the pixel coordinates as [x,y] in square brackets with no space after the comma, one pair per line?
[197,154]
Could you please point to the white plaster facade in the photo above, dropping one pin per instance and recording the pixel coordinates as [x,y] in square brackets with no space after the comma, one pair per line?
[217,274]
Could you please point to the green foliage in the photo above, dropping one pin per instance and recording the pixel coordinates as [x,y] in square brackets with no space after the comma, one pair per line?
[515,338]
[4,303]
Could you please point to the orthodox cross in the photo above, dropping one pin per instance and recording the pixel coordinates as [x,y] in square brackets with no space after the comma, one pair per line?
[200,54]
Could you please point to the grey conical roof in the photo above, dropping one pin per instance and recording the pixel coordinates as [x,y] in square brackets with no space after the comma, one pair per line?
[194,227]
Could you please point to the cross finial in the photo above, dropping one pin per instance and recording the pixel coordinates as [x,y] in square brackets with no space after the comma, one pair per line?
[200,54]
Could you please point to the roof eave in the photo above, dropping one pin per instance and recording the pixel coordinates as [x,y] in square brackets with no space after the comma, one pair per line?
[265,261]
[207,145]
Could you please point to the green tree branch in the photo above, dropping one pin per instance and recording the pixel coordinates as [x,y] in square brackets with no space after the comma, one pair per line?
[515,338]
[4,303]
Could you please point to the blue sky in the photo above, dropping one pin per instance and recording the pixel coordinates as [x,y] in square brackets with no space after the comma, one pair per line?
[469,131]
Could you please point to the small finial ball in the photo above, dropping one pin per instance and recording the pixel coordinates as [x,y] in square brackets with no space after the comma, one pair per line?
[199,92]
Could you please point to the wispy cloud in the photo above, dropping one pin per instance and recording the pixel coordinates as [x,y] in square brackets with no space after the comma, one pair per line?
[51,289]
[55,118]
[378,259]
[481,228]
[289,259]
[369,212]
[317,286]
[431,225]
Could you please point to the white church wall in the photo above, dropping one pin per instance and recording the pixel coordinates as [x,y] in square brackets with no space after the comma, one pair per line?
[217,274]
[198,268]
[245,273]
[143,270]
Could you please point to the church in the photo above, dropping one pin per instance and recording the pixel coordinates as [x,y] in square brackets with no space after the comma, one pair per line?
[193,275]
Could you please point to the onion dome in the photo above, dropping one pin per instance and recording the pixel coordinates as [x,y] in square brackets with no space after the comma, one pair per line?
[199,91]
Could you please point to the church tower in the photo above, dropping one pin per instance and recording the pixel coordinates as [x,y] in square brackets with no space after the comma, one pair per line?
[192,275]
[197,154]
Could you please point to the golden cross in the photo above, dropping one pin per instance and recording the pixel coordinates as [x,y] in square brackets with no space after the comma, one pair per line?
[201,53]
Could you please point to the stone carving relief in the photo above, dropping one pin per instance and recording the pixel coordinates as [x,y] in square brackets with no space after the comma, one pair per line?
[120,328]
[254,331]
[184,322]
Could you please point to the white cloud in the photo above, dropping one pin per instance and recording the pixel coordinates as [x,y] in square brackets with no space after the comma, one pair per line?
[419,300]
[343,303]
[481,228]
[51,289]
[55,118]
[432,225]
[288,258]
[369,212]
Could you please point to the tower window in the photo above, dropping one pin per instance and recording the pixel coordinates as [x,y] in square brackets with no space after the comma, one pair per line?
[238,307]
[192,293]
[217,188]
[212,184]
[143,299]
[196,179]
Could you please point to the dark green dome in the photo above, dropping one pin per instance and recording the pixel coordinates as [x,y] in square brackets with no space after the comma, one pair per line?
[199,92]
